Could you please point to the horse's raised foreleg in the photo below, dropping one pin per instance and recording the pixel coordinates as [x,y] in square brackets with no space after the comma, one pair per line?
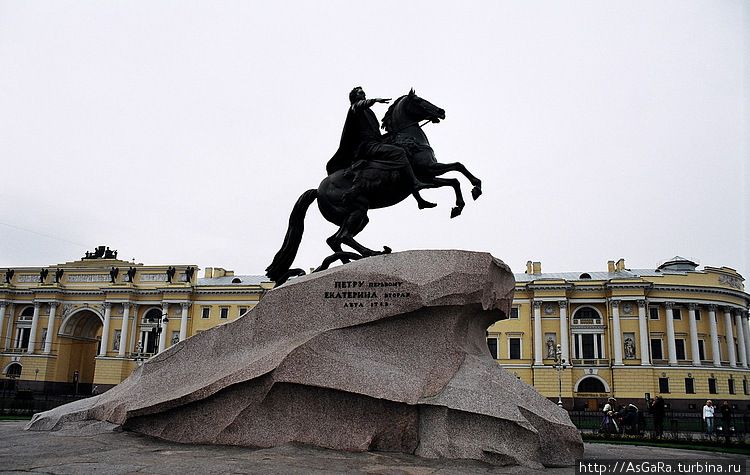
[438,169]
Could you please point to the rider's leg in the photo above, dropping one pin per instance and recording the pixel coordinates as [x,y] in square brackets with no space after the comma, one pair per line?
[397,155]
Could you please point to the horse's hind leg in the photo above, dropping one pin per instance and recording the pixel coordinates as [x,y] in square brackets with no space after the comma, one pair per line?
[441,168]
[352,225]
[452,182]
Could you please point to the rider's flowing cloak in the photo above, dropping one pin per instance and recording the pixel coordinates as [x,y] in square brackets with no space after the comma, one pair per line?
[361,129]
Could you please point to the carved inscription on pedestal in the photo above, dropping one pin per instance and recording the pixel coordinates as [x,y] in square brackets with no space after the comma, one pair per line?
[361,293]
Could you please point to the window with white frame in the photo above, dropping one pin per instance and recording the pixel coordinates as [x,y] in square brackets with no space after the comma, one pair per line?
[205,312]
[241,311]
[657,352]
[588,346]
[514,348]
[514,312]
[493,343]
[653,313]
[224,312]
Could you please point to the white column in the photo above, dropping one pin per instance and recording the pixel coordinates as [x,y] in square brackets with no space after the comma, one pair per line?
[3,304]
[163,334]
[50,328]
[715,348]
[9,329]
[105,331]
[124,330]
[564,346]
[740,339]
[730,338]
[184,320]
[643,334]
[34,325]
[694,352]
[538,333]
[671,347]
[616,334]
[746,332]
[133,342]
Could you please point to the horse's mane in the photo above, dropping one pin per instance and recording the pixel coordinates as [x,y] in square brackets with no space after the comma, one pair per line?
[388,117]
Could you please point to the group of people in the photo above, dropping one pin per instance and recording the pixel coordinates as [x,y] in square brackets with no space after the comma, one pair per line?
[626,419]
[709,415]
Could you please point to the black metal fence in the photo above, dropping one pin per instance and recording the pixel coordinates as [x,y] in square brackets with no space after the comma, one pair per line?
[26,403]
[675,425]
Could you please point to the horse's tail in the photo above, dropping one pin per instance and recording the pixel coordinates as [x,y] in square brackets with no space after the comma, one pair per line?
[283,259]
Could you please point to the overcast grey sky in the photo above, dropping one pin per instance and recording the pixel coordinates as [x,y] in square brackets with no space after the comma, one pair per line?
[182,132]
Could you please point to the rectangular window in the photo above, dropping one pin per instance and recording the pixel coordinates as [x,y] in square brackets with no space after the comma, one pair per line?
[224,312]
[653,313]
[712,386]
[745,389]
[730,384]
[205,312]
[514,348]
[664,385]
[676,314]
[514,312]
[679,345]
[701,350]
[22,338]
[492,344]
[689,386]
[656,352]
[242,311]
[697,314]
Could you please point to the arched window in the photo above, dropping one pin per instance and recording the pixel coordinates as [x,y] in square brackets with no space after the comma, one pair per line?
[13,371]
[586,313]
[591,385]
[27,313]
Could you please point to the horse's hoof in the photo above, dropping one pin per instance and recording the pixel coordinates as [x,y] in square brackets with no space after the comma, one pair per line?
[386,250]
[476,192]
[455,212]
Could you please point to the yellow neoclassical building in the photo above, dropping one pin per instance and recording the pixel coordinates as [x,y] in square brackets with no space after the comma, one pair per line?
[675,331]
[52,319]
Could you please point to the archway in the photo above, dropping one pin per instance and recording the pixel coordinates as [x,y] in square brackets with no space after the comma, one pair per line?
[78,344]
[592,384]
[11,372]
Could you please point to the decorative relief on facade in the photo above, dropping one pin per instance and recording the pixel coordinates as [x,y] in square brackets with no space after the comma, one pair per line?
[627,308]
[88,278]
[733,282]
[551,342]
[629,345]
[549,309]
[153,277]
[27,278]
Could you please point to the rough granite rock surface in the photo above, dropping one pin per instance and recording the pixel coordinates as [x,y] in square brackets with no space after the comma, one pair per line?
[387,353]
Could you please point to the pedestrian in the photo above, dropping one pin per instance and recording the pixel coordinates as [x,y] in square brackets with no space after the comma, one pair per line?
[708,417]
[657,411]
[609,426]
[726,420]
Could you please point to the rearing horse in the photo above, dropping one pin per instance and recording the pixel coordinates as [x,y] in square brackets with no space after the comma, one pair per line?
[345,196]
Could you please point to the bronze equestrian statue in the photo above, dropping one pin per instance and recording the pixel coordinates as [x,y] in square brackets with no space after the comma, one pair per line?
[371,171]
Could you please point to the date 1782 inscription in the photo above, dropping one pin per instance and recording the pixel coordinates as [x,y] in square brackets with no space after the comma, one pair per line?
[360,293]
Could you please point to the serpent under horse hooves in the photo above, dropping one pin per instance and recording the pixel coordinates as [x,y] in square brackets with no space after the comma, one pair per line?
[345,196]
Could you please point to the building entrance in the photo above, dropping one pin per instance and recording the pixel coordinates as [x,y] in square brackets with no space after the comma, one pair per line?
[79,341]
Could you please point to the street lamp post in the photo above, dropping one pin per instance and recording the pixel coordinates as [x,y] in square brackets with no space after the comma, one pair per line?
[160,322]
[560,365]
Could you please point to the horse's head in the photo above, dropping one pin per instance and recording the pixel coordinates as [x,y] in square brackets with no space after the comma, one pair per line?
[411,108]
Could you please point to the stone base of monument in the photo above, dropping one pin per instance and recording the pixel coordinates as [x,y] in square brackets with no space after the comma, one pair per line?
[387,354]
